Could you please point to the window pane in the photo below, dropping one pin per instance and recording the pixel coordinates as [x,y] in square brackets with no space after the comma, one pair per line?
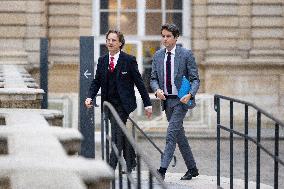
[128,23]
[130,49]
[153,23]
[149,49]
[108,4]
[175,18]
[174,4]
[153,4]
[108,20]
[128,4]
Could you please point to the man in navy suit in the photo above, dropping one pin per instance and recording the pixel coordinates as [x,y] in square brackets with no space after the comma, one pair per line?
[169,66]
[116,75]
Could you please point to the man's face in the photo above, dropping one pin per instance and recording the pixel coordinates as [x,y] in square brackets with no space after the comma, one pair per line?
[112,43]
[168,39]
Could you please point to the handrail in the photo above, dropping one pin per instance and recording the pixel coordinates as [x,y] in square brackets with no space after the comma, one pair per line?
[247,138]
[146,136]
[139,152]
[281,123]
[141,131]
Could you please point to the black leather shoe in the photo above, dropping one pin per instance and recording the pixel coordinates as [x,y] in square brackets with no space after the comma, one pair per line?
[187,176]
[194,172]
[190,173]
[161,174]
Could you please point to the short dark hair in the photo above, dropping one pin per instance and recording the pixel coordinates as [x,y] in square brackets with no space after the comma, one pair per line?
[119,35]
[171,28]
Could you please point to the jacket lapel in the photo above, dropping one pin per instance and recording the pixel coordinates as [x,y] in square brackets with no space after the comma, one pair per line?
[119,63]
[105,67]
[160,60]
[177,61]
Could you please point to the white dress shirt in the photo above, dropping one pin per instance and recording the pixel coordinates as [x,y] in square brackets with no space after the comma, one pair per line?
[174,88]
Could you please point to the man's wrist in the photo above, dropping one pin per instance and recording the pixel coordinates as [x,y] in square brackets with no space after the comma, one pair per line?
[156,93]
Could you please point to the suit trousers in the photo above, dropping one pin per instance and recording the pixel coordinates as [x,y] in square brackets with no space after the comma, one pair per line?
[175,112]
[119,139]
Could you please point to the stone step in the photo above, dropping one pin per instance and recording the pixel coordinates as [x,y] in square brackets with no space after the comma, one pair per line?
[13,56]
[14,62]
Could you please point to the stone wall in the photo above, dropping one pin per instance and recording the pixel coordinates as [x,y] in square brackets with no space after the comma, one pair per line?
[199,34]
[245,51]
[67,20]
[245,29]
[22,24]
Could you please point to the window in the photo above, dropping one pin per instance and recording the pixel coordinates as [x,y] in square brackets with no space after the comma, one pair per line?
[118,14]
[159,12]
[126,15]
[140,21]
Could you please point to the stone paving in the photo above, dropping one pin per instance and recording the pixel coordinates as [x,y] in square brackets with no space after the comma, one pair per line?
[205,155]
[204,151]
[173,181]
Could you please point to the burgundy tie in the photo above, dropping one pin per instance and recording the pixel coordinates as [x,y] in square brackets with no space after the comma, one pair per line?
[111,64]
[168,73]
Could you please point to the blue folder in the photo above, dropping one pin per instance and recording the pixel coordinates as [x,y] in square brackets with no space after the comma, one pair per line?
[184,89]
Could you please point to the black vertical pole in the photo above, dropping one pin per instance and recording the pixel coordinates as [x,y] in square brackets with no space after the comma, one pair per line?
[276,154]
[44,71]
[217,109]
[138,172]
[246,147]
[231,145]
[258,130]
[86,116]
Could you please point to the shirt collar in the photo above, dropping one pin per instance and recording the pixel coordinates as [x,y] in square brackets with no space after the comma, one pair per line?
[172,51]
[116,56]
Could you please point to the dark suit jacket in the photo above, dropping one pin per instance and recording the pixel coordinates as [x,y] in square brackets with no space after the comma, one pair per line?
[127,74]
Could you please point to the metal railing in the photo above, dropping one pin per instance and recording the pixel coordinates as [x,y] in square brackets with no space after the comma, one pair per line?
[135,126]
[152,173]
[247,138]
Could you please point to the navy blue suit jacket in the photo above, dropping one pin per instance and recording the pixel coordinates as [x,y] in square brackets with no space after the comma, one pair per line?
[127,74]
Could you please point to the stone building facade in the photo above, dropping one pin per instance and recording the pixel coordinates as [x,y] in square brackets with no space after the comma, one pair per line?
[238,44]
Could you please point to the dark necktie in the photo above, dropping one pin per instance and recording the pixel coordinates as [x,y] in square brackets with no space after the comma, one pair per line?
[168,73]
[111,64]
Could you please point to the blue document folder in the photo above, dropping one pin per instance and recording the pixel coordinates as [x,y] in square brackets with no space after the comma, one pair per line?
[184,89]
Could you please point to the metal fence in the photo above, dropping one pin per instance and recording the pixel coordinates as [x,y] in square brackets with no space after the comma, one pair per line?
[141,157]
[256,140]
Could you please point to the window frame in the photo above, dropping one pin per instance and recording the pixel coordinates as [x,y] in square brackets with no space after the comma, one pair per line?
[141,11]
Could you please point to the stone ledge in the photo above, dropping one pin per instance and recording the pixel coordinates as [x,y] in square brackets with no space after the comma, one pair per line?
[235,61]
[34,157]
[18,89]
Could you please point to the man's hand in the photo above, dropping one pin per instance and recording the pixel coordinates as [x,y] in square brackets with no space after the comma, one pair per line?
[185,98]
[148,111]
[160,94]
[88,103]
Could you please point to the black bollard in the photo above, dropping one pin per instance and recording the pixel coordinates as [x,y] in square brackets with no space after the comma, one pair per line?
[86,116]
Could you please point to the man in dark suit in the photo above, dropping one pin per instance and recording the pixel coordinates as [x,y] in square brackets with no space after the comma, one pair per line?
[116,74]
[169,66]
